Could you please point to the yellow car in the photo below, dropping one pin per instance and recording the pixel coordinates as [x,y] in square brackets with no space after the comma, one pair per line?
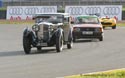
[108,22]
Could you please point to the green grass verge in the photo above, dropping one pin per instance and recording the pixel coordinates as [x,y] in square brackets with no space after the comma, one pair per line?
[123,8]
[32,22]
[107,74]
[1,9]
[120,24]
[16,22]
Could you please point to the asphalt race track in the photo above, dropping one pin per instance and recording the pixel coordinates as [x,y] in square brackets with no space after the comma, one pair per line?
[85,57]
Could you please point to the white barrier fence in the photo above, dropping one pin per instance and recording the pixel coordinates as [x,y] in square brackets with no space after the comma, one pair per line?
[26,12]
[104,11]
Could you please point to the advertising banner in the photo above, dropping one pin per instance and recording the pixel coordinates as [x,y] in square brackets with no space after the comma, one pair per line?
[104,11]
[26,12]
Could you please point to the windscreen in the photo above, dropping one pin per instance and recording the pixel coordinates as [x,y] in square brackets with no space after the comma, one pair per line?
[51,19]
[86,20]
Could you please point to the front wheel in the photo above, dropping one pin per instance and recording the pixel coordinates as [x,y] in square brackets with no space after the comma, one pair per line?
[101,38]
[103,27]
[59,43]
[70,45]
[74,39]
[70,42]
[114,27]
[26,45]
[39,49]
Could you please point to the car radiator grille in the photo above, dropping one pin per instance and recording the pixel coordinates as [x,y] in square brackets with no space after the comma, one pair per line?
[43,33]
[87,29]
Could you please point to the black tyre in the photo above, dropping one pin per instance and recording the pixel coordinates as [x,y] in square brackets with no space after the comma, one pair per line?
[70,45]
[70,42]
[59,43]
[39,49]
[26,45]
[114,27]
[74,39]
[103,27]
[101,38]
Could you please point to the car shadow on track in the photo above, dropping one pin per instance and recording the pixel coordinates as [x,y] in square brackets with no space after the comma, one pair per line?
[44,51]
[86,40]
[48,51]
[108,28]
[22,53]
[11,53]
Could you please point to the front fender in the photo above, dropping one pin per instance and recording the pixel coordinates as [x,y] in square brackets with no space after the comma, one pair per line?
[59,32]
[28,33]
[56,34]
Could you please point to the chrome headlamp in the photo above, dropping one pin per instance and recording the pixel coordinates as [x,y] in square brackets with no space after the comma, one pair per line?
[98,30]
[35,27]
[77,29]
[51,28]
